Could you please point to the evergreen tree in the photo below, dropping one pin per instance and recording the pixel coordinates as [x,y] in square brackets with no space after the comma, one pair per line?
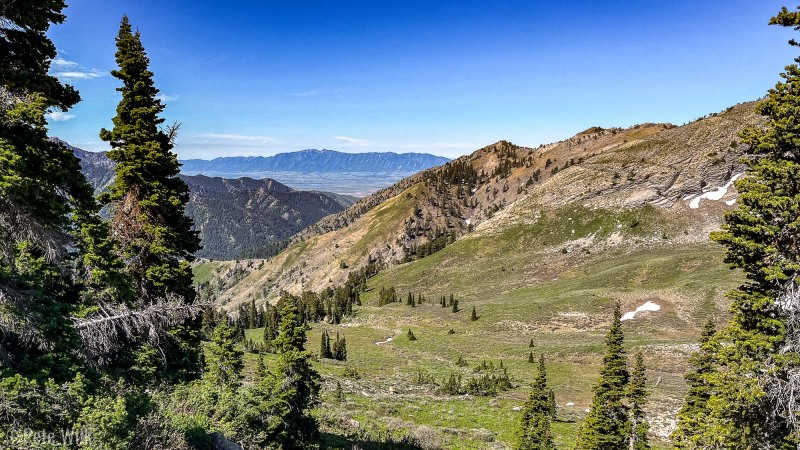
[325,346]
[474,315]
[44,201]
[340,348]
[411,336]
[531,345]
[224,364]
[606,425]
[294,385]
[455,306]
[693,413]
[534,431]
[147,200]
[530,357]
[758,351]
[637,397]
[552,400]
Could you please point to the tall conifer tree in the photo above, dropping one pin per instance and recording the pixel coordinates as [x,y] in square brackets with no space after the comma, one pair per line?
[44,200]
[157,243]
[692,416]
[751,387]
[534,431]
[606,426]
[637,397]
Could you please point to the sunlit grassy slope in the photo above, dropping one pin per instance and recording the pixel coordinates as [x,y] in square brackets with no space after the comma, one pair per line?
[553,279]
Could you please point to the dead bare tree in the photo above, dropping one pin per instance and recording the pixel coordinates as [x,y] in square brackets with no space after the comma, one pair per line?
[117,323]
[782,381]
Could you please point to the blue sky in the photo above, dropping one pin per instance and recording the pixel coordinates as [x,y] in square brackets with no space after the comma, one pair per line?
[263,77]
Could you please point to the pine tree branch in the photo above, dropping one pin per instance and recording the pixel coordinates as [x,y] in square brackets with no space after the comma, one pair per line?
[20,226]
[782,383]
[116,323]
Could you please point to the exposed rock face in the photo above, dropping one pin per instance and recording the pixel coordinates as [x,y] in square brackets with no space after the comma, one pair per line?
[220,442]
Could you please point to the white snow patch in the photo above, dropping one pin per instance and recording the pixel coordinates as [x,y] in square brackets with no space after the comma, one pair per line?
[570,404]
[587,410]
[389,339]
[517,408]
[468,222]
[714,195]
[648,306]
[731,202]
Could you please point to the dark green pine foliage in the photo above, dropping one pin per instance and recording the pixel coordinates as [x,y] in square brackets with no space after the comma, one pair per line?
[271,322]
[755,357]
[455,306]
[534,429]
[606,426]
[224,362]
[147,196]
[692,416]
[531,345]
[325,346]
[294,384]
[339,349]
[474,315]
[530,357]
[410,299]
[637,397]
[147,199]
[410,335]
[45,202]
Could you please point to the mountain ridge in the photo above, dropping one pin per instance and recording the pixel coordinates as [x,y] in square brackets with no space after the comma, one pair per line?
[647,164]
[237,218]
[315,161]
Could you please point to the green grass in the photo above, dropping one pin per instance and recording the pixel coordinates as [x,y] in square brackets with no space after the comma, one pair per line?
[523,288]
[203,272]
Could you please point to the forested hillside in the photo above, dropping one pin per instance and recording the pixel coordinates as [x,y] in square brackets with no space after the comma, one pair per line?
[237,218]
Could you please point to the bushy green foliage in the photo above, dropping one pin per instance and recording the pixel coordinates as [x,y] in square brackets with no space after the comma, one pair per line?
[224,361]
[637,396]
[693,413]
[537,413]
[148,202]
[606,426]
[737,399]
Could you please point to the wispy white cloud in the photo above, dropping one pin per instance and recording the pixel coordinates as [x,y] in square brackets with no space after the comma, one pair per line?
[84,74]
[64,63]
[59,116]
[305,93]
[238,137]
[64,69]
[166,98]
[354,142]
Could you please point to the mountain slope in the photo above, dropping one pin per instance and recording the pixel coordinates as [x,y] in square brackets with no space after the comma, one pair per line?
[237,218]
[649,164]
[315,161]
[616,215]
[246,218]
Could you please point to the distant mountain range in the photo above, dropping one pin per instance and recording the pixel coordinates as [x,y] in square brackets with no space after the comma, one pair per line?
[314,161]
[237,218]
